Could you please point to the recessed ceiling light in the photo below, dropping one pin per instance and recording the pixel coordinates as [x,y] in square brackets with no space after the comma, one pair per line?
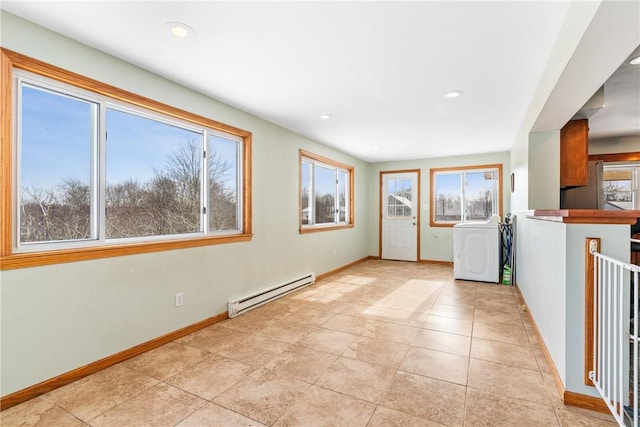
[179,29]
[325,116]
[376,147]
[635,61]
[454,94]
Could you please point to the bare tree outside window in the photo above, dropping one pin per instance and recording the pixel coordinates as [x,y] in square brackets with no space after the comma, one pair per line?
[326,198]
[465,194]
[223,187]
[168,203]
[49,215]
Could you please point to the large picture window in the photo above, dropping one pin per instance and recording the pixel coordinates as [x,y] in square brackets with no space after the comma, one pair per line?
[326,193]
[91,172]
[470,193]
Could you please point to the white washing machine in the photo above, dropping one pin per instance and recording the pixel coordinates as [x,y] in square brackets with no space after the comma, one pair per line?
[476,250]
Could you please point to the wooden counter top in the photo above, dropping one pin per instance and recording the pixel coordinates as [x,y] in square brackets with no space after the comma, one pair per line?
[589,216]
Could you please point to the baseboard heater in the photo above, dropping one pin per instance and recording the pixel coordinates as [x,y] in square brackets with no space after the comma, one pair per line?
[240,305]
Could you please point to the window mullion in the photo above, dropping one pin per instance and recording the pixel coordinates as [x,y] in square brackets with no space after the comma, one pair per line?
[17,149]
[347,195]
[314,192]
[239,184]
[463,198]
[336,197]
[310,198]
[495,195]
[99,184]
[204,182]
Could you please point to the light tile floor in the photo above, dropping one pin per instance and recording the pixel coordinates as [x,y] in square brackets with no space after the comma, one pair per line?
[380,344]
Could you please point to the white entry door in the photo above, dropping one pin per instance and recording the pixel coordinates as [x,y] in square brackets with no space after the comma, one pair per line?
[400,210]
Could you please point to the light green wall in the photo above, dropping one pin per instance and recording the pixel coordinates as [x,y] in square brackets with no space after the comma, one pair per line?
[520,169]
[541,274]
[555,294]
[57,318]
[526,171]
[625,144]
[436,243]
[544,159]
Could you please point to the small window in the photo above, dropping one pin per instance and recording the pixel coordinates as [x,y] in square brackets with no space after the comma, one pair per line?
[620,187]
[465,194]
[326,193]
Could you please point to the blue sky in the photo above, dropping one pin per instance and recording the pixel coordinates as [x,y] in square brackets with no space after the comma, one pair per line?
[56,139]
[57,142]
[137,145]
[477,185]
[449,184]
[325,179]
[228,150]
[395,186]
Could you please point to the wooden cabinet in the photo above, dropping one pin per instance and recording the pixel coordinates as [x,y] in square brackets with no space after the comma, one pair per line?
[574,153]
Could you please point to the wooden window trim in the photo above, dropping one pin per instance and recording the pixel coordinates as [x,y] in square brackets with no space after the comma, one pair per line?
[432,173]
[307,229]
[616,157]
[9,260]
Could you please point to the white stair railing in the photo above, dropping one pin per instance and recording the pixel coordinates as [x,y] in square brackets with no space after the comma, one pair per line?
[615,356]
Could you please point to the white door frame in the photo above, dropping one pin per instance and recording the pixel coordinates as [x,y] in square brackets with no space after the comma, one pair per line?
[416,210]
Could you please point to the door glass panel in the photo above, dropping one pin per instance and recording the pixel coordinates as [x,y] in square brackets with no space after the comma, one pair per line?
[399,202]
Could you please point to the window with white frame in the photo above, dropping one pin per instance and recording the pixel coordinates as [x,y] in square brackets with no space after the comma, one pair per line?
[326,193]
[465,194]
[620,185]
[91,170]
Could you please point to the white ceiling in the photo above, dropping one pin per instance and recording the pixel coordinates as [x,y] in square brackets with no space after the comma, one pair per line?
[621,104]
[381,69]
[600,64]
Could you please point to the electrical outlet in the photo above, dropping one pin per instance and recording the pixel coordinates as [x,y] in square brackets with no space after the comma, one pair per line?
[179,299]
[333,253]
